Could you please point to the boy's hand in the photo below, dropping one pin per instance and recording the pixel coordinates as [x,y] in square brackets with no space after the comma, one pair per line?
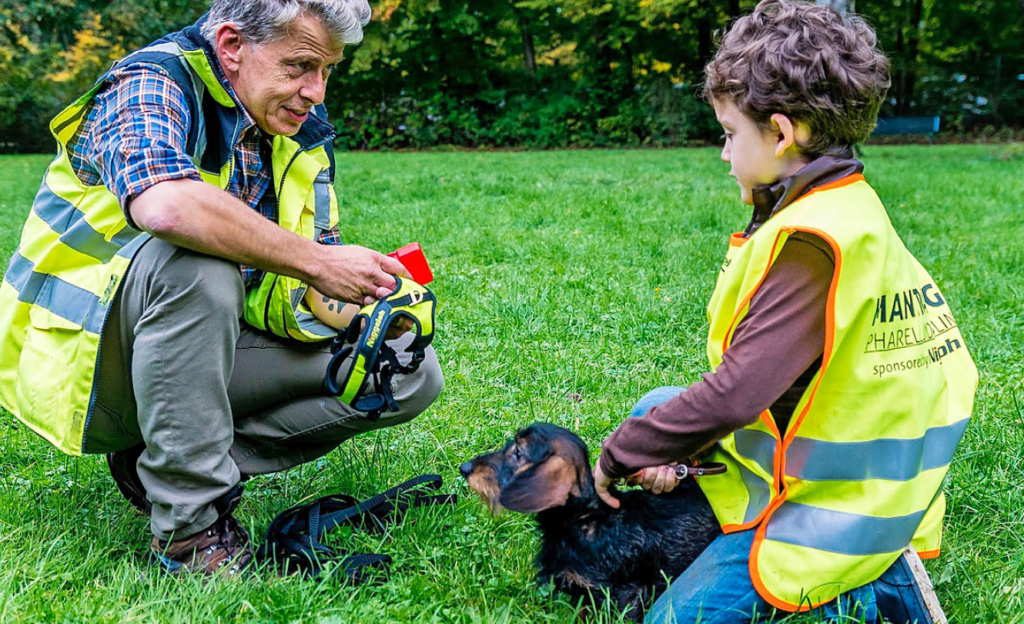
[657,479]
[601,485]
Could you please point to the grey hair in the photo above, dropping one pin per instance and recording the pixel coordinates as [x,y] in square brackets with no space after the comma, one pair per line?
[264,21]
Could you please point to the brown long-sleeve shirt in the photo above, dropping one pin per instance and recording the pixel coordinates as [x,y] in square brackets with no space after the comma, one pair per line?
[775,352]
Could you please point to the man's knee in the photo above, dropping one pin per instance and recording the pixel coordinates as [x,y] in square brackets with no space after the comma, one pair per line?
[418,391]
[184,279]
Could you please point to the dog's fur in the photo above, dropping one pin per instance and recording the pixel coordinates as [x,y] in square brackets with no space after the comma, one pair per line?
[589,548]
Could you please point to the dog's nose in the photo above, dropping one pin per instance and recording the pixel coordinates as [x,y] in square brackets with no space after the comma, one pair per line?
[465,469]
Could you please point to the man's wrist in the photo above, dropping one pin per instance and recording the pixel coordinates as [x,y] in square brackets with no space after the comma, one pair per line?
[308,266]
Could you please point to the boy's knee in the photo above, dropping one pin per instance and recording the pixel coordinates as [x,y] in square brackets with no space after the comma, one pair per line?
[655,397]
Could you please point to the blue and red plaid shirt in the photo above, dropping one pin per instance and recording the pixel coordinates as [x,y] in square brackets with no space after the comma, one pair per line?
[135,135]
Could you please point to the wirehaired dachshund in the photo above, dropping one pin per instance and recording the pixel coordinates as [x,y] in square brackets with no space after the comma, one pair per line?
[625,555]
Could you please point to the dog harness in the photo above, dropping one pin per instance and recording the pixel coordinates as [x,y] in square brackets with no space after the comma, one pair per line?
[293,540]
[373,358]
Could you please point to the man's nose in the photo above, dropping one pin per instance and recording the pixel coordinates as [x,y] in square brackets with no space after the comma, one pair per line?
[315,89]
[465,469]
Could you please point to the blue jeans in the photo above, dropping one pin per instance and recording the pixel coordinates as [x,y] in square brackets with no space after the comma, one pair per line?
[716,588]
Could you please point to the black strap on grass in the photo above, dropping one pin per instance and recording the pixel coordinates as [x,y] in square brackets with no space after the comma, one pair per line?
[293,540]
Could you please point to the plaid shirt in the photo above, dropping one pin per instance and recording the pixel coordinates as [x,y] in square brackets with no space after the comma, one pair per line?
[135,135]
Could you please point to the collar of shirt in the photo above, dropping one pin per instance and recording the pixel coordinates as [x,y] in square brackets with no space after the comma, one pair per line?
[771,198]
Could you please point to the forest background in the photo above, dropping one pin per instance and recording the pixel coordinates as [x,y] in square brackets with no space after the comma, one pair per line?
[531,73]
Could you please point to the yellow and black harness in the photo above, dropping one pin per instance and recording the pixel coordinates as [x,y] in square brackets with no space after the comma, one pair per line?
[372,358]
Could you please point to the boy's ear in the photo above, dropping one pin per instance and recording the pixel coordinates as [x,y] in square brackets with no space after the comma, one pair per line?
[791,134]
[786,133]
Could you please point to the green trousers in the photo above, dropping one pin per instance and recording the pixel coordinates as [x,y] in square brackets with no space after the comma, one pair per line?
[212,398]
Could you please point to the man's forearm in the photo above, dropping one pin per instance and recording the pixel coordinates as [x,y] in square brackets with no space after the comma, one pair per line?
[203,218]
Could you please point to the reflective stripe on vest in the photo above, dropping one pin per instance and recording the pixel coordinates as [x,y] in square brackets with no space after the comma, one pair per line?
[76,246]
[857,476]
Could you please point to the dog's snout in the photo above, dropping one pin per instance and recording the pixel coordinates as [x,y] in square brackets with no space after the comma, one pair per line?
[465,469]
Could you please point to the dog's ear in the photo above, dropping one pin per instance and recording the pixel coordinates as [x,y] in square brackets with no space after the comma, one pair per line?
[541,486]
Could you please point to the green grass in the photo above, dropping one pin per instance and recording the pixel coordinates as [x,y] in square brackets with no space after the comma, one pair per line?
[570,283]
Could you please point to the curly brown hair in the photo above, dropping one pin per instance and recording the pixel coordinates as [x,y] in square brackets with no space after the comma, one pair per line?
[807,62]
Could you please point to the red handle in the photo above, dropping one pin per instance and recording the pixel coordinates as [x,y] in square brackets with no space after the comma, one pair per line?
[412,257]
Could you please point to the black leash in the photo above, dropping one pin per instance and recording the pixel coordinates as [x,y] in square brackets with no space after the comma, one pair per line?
[293,540]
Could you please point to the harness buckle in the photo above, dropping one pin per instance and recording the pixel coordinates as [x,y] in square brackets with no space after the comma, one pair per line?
[416,297]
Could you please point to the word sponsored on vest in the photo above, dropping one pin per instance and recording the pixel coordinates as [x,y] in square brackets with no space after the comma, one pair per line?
[908,320]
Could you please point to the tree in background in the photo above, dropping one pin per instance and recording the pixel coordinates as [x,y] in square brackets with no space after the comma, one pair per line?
[528,73]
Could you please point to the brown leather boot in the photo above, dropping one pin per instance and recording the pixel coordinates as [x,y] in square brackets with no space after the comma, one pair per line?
[222,548]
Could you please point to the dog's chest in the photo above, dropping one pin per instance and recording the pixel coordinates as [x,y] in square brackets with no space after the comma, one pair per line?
[589,554]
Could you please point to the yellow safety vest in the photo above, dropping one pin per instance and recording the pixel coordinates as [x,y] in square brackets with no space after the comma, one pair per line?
[76,247]
[857,475]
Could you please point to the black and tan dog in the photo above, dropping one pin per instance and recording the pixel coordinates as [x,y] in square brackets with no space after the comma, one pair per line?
[588,548]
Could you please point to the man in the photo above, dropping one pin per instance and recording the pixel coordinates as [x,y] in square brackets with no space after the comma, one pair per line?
[193,186]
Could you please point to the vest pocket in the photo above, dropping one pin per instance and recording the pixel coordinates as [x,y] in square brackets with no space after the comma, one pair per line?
[53,345]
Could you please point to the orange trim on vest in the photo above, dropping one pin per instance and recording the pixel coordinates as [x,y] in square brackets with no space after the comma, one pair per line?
[830,329]
[746,301]
[737,239]
[850,179]
[780,458]
[929,554]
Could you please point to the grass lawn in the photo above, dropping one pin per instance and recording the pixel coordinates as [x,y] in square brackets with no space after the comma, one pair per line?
[570,283]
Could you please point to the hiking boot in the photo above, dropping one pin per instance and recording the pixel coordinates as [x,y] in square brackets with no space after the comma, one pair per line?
[224,547]
[124,470]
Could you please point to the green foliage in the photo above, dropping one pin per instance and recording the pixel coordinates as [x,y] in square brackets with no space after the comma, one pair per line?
[526,73]
[570,283]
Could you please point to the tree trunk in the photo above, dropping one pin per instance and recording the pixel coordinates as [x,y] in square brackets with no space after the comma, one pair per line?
[705,41]
[531,64]
[734,8]
[529,51]
[911,60]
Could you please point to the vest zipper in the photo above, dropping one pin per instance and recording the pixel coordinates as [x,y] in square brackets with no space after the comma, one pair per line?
[284,176]
[93,395]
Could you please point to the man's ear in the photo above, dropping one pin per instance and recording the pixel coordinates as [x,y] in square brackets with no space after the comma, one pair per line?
[229,43]
[539,487]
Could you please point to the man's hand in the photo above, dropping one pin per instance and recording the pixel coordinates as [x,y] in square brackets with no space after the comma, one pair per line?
[601,485]
[356,274]
[203,218]
[656,479]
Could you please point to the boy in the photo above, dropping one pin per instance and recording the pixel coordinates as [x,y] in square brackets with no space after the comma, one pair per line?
[840,384]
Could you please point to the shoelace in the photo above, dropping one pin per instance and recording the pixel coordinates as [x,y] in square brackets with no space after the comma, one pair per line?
[225,529]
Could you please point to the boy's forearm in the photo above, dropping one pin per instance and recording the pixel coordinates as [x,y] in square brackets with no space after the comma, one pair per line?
[781,337]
